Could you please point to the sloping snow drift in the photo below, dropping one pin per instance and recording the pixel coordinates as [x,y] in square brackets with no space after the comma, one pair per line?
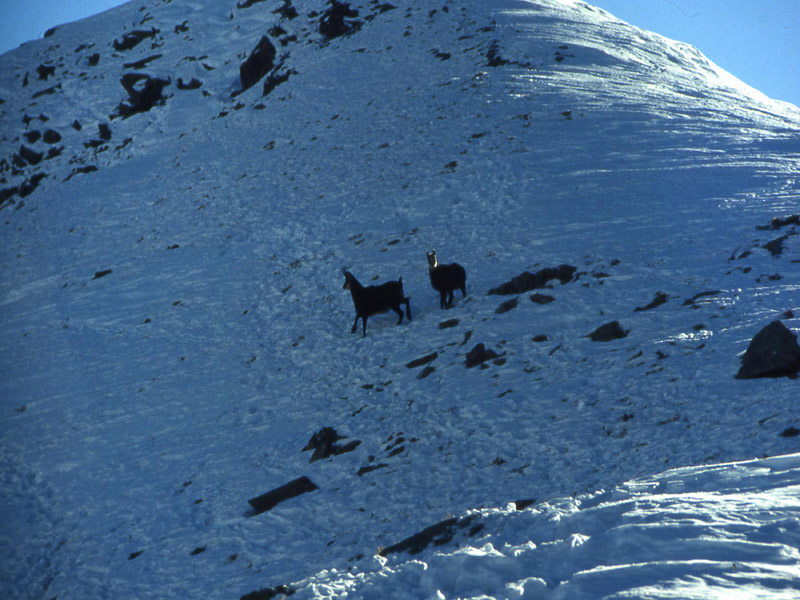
[175,331]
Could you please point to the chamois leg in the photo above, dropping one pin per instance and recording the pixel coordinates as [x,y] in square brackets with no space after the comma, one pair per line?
[355,324]
[442,299]
[396,308]
[408,308]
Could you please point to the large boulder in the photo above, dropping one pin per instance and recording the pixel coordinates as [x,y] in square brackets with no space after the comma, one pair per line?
[260,62]
[773,352]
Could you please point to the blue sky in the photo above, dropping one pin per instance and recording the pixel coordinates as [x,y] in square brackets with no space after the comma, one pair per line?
[755,40]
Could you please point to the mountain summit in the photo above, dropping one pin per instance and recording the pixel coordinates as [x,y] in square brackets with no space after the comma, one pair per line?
[183,409]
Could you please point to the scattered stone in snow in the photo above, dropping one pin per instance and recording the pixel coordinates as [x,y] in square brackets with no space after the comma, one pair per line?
[773,352]
[426,371]
[271,499]
[493,55]
[507,306]
[542,298]
[540,338]
[93,60]
[528,281]
[438,535]
[30,156]
[364,470]
[479,355]
[333,24]
[141,64]
[260,62]
[790,432]
[193,84]
[608,332]
[45,71]
[693,300]
[418,362]
[268,593]
[51,137]
[660,299]
[779,222]
[141,96]
[448,323]
[324,445]
[775,246]
[134,38]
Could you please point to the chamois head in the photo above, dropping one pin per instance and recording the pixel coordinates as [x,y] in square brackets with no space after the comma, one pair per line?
[348,279]
[432,258]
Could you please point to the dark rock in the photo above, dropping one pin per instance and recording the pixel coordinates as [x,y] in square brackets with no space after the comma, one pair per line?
[287,11]
[523,504]
[51,137]
[32,136]
[437,535]
[30,156]
[50,32]
[426,371]
[323,443]
[81,170]
[76,125]
[141,64]
[134,38]
[507,306]
[275,79]
[333,23]
[182,28]
[418,362]
[191,85]
[790,432]
[260,62]
[540,338]
[529,281]
[448,323]
[270,500]
[693,300]
[104,131]
[144,92]
[29,185]
[268,593]
[7,193]
[53,152]
[47,91]
[247,3]
[45,71]
[775,246]
[493,56]
[479,354]
[103,273]
[94,59]
[779,222]
[608,332]
[370,468]
[660,299]
[773,352]
[542,298]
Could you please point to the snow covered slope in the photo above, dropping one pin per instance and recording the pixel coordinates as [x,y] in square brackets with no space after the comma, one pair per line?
[174,328]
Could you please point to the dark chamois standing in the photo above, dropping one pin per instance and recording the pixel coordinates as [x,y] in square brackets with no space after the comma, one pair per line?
[375,299]
[445,279]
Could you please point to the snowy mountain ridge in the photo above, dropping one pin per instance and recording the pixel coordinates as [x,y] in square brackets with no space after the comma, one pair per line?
[176,332]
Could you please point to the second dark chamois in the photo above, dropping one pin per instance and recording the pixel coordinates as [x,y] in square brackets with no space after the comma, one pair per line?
[445,279]
[375,299]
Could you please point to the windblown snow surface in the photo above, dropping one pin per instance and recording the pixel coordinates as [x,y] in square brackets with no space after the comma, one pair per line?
[174,328]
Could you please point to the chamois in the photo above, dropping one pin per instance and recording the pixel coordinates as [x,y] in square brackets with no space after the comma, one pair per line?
[375,299]
[445,279]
